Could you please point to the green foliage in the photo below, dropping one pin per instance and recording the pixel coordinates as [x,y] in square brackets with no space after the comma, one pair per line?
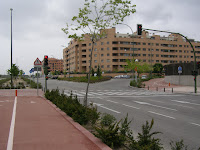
[32,83]
[107,119]
[99,71]
[92,71]
[146,141]
[85,79]
[2,86]
[138,84]
[72,107]
[110,135]
[157,68]
[14,71]
[179,145]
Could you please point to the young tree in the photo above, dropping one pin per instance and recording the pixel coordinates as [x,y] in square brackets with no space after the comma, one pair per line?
[99,71]
[21,72]
[14,71]
[141,67]
[157,68]
[94,17]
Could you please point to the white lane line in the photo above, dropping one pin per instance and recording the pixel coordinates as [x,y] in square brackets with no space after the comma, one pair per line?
[131,106]
[144,103]
[195,124]
[110,109]
[161,115]
[12,127]
[184,102]
[112,101]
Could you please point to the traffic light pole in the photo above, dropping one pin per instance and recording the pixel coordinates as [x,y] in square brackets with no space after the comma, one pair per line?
[195,68]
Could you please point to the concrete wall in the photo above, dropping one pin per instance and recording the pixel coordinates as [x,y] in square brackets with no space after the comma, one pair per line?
[187,80]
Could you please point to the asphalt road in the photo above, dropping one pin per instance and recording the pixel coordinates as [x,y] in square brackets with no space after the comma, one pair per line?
[175,115]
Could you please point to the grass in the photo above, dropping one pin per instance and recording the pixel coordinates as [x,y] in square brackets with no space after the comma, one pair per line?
[85,79]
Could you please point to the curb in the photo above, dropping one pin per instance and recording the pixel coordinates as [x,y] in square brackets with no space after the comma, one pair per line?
[85,132]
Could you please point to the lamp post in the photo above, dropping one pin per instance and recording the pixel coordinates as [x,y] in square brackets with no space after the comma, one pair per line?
[133,46]
[11,49]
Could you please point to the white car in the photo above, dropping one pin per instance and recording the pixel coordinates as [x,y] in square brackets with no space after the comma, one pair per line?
[144,77]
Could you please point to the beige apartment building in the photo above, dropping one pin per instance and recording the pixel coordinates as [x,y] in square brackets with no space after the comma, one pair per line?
[55,64]
[112,51]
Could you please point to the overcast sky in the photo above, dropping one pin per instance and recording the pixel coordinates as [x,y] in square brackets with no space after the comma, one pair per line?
[37,25]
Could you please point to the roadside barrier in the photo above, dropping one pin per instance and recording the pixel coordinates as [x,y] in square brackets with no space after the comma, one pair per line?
[15,92]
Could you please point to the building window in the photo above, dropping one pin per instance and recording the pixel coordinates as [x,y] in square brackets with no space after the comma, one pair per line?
[108,66]
[102,49]
[180,45]
[101,43]
[107,42]
[144,49]
[90,44]
[107,48]
[157,50]
[108,54]
[144,60]
[101,55]
[108,60]
[95,49]
[144,54]
[95,66]
[144,43]
[102,60]
[95,43]
[102,66]
[95,55]
[157,60]
[95,61]
[157,55]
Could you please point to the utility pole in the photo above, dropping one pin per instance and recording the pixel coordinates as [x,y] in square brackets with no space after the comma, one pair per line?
[11,49]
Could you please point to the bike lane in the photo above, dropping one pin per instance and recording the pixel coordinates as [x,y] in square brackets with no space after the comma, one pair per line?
[6,109]
[39,126]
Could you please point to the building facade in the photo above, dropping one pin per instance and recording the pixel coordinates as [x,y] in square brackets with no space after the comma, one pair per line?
[55,64]
[112,51]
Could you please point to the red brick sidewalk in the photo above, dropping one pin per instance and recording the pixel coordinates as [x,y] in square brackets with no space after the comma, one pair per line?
[40,125]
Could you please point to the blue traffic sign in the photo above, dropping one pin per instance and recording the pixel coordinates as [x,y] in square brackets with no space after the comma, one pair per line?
[179,68]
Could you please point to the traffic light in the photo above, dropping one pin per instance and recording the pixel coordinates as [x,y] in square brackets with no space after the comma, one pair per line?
[198,65]
[194,73]
[45,60]
[46,70]
[139,29]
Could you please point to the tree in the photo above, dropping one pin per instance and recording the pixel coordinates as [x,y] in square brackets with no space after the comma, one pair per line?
[99,71]
[93,18]
[141,67]
[21,72]
[92,71]
[15,70]
[157,68]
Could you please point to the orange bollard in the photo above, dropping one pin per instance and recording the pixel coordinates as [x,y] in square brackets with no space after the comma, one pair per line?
[169,84]
[15,92]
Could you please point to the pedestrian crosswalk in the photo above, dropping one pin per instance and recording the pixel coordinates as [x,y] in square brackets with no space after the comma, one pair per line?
[111,93]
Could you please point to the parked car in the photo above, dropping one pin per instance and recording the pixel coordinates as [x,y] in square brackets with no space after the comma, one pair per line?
[143,76]
[122,76]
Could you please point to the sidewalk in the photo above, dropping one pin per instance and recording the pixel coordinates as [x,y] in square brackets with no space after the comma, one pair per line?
[41,125]
[160,85]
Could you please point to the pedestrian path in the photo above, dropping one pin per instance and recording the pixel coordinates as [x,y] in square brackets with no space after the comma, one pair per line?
[125,93]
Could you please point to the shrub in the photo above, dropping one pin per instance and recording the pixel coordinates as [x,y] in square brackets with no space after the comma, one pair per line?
[146,141]
[138,84]
[179,145]
[107,119]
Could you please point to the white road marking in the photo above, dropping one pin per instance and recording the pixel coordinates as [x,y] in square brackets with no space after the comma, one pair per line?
[184,102]
[12,127]
[144,103]
[161,115]
[110,109]
[112,101]
[32,102]
[131,106]
[195,124]
[100,105]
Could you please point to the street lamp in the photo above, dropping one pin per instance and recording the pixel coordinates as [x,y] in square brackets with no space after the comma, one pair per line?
[11,49]
[133,45]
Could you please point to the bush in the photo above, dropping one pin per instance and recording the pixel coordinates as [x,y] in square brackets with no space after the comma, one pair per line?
[146,140]
[138,84]
[72,107]
[32,83]
[179,145]
[107,119]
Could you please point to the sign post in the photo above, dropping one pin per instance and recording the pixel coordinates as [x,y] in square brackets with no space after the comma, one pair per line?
[37,64]
[179,72]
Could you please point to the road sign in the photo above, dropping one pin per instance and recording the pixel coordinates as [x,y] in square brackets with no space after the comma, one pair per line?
[179,68]
[37,62]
